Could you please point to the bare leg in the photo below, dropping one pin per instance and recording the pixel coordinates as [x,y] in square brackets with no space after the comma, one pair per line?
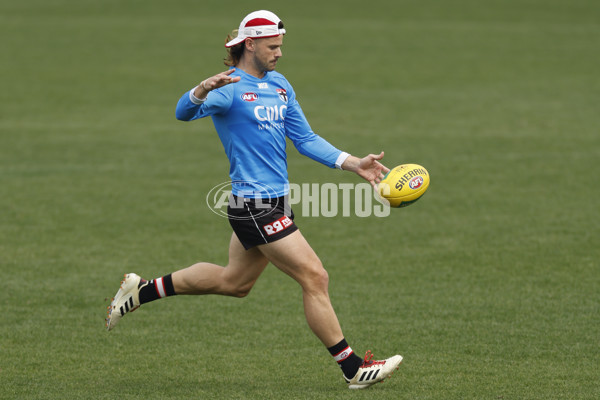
[294,256]
[236,279]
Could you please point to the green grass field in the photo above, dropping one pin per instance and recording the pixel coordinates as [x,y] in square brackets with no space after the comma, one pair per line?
[489,286]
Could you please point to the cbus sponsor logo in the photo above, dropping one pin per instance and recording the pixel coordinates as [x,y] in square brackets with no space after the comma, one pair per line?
[249,96]
[265,113]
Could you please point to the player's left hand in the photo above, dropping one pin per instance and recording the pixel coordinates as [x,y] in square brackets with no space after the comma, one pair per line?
[369,167]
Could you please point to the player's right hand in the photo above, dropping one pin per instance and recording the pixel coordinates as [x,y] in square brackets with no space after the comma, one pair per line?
[220,80]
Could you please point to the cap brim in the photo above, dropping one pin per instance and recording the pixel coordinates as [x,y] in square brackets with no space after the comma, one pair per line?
[235,41]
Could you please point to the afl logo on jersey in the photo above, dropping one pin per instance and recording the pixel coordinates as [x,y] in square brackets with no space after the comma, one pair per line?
[282,95]
[249,96]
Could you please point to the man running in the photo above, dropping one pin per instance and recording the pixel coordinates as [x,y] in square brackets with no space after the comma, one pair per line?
[254,109]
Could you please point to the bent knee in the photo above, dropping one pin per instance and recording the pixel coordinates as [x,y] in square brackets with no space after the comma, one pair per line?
[322,276]
[316,278]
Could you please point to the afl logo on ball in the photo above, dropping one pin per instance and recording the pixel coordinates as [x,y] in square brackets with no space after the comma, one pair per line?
[415,182]
[249,96]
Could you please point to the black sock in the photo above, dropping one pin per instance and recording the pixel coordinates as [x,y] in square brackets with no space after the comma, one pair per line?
[156,289]
[345,357]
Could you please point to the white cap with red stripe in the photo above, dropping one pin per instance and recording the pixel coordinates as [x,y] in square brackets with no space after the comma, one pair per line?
[258,24]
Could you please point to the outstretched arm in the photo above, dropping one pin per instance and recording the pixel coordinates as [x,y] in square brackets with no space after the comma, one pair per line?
[192,105]
[368,167]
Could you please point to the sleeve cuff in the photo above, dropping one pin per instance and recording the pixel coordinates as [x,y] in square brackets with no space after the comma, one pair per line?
[194,99]
[341,158]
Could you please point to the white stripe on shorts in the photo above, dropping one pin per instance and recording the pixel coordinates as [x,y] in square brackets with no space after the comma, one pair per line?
[255,224]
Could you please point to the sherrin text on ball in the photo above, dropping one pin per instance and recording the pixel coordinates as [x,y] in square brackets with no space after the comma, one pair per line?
[404,185]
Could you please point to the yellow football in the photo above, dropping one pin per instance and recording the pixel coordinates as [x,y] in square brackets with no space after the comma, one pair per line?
[404,185]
